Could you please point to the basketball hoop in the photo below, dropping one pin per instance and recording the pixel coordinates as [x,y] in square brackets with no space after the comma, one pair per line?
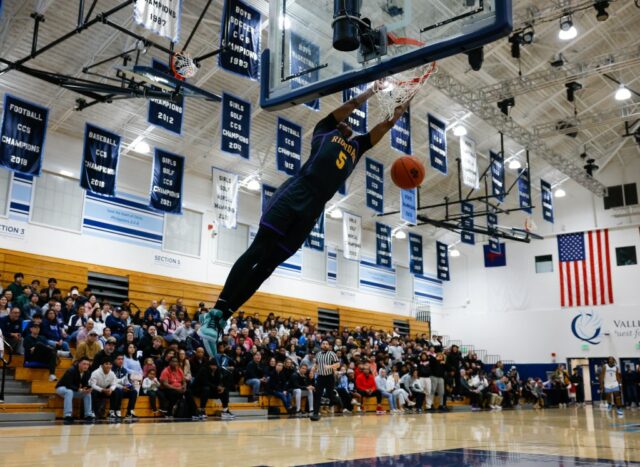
[399,88]
[183,66]
[530,225]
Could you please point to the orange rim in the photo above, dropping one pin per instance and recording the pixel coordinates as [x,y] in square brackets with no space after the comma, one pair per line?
[173,68]
[395,40]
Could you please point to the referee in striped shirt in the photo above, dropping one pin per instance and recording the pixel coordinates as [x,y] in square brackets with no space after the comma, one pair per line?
[327,363]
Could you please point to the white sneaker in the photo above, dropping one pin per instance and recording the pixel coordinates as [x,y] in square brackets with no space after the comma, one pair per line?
[355,402]
[64,353]
[226,415]
[346,411]
[53,377]
[118,414]
[411,403]
[112,414]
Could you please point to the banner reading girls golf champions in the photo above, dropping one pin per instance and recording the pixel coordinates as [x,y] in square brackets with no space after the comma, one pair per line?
[166,186]
[236,126]
[24,126]
[99,161]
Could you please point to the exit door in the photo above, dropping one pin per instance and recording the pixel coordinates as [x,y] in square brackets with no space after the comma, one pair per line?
[595,368]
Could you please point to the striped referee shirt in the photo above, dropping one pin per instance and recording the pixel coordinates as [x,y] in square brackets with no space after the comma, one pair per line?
[323,360]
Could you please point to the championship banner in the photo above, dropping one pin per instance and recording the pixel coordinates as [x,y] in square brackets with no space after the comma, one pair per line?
[524,190]
[468,162]
[166,185]
[225,198]
[288,146]
[492,225]
[267,194]
[357,119]
[437,144]
[442,261]
[351,235]
[374,179]
[415,254]
[159,16]
[466,234]
[409,205]
[166,114]
[242,55]
[24,126]
[236,125]
[315,240]
[401,133]
[497,175]
[383,245]
[304,55]
[547,201]
[99,160]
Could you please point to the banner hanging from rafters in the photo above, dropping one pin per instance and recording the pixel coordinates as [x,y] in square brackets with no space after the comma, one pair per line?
[159,16]
[225,198]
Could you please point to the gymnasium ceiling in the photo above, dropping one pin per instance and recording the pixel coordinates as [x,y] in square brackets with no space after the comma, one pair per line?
[200,140]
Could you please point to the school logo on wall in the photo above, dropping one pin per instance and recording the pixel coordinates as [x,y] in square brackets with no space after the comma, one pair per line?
[587,326]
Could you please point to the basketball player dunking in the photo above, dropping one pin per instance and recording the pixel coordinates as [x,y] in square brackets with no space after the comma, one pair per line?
[296,205]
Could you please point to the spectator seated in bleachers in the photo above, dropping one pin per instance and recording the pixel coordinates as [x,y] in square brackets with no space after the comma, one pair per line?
[209,384]
[38,353]
[124,389]
[366,386]
[11,326]
[173,387]
[74,384]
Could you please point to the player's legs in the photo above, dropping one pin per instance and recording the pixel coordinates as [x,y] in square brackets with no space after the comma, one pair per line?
[210,340]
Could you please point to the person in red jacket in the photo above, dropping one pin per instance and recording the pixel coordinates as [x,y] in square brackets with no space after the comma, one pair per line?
[366,386]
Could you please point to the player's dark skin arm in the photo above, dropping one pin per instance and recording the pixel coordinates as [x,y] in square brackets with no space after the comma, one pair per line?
[342,112]
[378,131]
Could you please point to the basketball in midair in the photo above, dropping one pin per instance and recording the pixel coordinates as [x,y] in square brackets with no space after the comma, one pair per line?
[407,172]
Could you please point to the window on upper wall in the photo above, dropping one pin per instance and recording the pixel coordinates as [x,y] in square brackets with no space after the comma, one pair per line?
[57,202]
[232,243]
[626,256]
[621,195]
[5,193]
[544,263]
[183,233]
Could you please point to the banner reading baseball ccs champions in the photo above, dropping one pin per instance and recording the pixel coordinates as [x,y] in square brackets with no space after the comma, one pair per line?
[159,16]
[242,55]
[351,235]
[437,144]
[24,127]
[415,254]
[374,180]
[442,261]
[166,185]
[225,198]
[383,245]
[236,125]
[315,240]
[288,146]
[99,160]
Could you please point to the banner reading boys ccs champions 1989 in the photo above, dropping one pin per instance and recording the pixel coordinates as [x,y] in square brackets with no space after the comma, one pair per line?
[99,160]
[166,185]
[242,55]
[24,127]
[305,55]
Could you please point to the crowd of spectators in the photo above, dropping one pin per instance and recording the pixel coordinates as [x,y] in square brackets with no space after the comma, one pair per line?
[122,352]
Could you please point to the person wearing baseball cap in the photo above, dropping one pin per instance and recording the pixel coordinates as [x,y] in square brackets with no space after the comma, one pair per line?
[88,348]
[108,353]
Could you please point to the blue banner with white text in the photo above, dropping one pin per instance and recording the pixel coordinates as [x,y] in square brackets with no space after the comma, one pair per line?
[236,126]
[497,175]
[437,144]
[492,227]
[524,190]
[315,240]
[409,205]
[466,234]
[288,146]
[242,55]
[267,194]
[374,180]
[547,201]
[415,254]
[383,245]
[495,257]
[442,261]
[166,186]
[167,114]
[401,134]
[99,160]
[304,56]
[24,127]
[357,119]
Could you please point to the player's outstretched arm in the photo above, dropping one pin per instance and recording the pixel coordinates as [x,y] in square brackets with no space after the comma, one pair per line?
[345,109]
[378,131]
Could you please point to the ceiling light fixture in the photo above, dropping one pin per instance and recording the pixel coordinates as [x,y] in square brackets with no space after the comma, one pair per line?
[66,173]
[560,193]
[459,130]
[254,184]
[622,94]
[601,10]
[567,30]
[515,164]
[142,147]
[454,252]
[335,213]
[400,234]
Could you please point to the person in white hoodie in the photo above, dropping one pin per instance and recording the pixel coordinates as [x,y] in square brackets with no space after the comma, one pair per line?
[413,384]
[381,385]
[103,383]
[402,396]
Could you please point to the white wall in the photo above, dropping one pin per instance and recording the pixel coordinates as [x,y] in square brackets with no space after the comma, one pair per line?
[134,173]
[516,313]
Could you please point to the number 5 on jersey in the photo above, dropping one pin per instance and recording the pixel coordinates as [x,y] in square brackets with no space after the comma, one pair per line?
[342,157]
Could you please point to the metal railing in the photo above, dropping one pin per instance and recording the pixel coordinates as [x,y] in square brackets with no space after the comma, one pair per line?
[5,361]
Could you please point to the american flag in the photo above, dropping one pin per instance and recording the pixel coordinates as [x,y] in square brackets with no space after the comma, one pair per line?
[585,269]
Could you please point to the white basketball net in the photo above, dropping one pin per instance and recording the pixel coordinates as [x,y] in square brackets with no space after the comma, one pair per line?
[399,88]
[183,66]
